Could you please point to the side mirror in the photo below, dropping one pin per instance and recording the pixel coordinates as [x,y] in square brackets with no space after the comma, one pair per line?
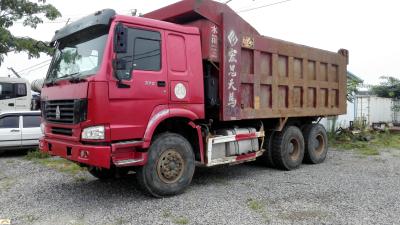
[120,39]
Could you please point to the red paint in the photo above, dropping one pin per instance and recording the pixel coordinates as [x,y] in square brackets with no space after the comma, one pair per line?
[200,138]
[246,156]
[240,137]
[96,155]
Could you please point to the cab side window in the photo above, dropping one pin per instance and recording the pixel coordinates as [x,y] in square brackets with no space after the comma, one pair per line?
[6,91]
[20,90]
[9,122]
[12,90]
[143,52]
[147,54]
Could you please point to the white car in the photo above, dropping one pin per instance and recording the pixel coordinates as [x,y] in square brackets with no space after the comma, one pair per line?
[19,130]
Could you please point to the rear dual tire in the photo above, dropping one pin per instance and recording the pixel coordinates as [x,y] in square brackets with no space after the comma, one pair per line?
[288,148]
[316,143]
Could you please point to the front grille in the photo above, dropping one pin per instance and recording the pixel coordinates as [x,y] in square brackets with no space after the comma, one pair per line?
[65,111]
[61,131]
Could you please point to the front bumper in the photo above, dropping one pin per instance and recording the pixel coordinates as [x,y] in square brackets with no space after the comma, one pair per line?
[99,156]
[121,154]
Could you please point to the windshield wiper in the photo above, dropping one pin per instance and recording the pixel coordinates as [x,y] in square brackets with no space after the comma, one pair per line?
[51,82]
[68,75]
[75,77]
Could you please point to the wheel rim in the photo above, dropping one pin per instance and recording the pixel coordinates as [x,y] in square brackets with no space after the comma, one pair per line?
[294,149]
[170,166]
[319,144]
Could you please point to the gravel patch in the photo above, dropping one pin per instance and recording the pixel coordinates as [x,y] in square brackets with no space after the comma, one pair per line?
[346,189]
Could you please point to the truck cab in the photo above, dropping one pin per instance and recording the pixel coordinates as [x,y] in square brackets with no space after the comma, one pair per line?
[112,81]
[15,94]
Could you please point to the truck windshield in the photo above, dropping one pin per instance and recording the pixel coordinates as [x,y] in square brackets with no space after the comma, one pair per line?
[78,56]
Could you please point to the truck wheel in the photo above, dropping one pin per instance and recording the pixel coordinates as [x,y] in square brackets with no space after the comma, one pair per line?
[316,143]
[101,173]
[266,158]
[288,148]
[169,168]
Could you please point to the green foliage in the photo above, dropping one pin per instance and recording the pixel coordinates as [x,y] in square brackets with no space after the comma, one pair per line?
[352,88]
[58,164]
[365,142]
[389,88]
[31,14]
[36,155]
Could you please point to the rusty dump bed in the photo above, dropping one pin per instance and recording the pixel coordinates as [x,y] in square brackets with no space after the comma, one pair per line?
[262,77]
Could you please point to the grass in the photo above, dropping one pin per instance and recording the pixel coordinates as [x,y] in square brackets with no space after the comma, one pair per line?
[365,143]
[181,220]
[303,215]
[6,183]
[255,205]
[175,219]
[166,214]
[58,164]
[258,207]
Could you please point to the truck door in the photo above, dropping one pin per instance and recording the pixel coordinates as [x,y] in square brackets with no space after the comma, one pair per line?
[185,74]
[145,86]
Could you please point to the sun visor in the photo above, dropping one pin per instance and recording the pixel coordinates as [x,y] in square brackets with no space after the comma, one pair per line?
[102,17]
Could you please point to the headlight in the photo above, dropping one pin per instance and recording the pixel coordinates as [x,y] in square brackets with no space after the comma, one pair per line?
[42,128]
[93,133]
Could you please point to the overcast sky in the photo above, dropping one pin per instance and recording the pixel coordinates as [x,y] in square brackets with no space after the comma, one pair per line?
[369,29]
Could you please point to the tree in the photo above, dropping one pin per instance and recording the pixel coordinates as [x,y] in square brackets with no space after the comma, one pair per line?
[352,88]
[389,88]
[31,14]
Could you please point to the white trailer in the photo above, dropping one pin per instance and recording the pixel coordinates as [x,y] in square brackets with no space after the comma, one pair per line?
[372,109]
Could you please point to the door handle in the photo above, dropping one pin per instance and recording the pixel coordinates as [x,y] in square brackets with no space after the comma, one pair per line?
[10,104]
[14,131]
[161,83]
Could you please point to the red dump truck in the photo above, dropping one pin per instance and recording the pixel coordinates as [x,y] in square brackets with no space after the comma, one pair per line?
[190,84]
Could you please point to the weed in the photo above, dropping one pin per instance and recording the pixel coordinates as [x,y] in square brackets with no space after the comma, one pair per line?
[58,164]
[303,215]
[36,155]
[120,221]
[80,179]
[167,214]
[6,183]
[10,161]
[255,205]
[181,220]
[366,143]
[31,218]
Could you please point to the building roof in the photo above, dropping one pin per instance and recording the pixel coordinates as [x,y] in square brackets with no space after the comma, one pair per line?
[352,76]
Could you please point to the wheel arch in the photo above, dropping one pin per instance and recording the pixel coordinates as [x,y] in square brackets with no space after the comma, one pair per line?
[180,121]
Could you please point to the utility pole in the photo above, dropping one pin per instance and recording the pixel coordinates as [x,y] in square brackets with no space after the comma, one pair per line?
[13,71]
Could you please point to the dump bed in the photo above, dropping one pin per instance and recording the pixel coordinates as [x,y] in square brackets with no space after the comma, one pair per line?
[262,77]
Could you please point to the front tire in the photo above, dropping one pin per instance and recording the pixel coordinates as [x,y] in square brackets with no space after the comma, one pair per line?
[169,168]
[288,148]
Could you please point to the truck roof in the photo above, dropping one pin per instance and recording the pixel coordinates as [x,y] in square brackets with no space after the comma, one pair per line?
[13,80]
[158,24]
